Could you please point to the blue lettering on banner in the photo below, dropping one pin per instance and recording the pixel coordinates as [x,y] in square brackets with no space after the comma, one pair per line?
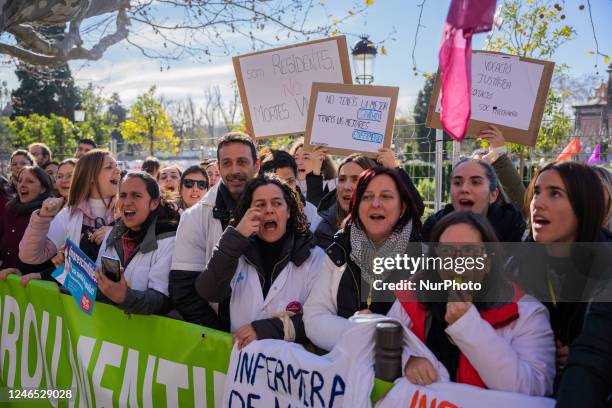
[79,277]
[369,114]
[258,370]
[366,136]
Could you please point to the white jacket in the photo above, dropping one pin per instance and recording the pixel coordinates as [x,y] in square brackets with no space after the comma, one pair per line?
[519,357]
[293,284]
[66,225]
[150,266]
[197,234]
[321,321]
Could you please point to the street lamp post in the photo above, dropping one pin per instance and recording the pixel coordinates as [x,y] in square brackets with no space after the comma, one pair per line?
[364,54]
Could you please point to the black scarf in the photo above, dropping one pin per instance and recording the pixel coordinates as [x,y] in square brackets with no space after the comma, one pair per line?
[29,207]
[224,205]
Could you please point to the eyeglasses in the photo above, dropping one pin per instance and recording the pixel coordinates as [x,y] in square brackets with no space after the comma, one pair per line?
[451,251]
[189,183]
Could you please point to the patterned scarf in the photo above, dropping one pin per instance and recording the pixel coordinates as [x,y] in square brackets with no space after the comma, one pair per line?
[89,219]
[363,250]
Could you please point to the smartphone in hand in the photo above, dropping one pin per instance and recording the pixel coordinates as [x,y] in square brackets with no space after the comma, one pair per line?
[111,268]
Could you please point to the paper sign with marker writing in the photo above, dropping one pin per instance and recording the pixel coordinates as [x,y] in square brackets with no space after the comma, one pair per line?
[275,84]
[351,118]
[507,91]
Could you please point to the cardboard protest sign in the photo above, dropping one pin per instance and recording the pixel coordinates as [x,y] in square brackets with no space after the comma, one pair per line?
[351,118]
[78,276]
[507,91]
[275,84]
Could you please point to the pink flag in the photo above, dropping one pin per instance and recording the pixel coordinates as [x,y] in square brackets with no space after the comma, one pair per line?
[594,159]
[465,18]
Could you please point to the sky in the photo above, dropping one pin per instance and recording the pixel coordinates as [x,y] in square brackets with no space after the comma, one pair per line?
[124,70]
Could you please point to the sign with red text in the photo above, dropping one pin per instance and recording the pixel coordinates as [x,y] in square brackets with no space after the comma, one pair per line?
[275,84]
[453,395]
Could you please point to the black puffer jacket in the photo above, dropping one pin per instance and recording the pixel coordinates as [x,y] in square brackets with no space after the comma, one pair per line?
[586,380]
[324,234]
[506,219]
[349,296]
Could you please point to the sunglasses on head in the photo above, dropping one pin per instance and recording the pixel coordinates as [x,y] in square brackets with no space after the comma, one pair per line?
[189,183]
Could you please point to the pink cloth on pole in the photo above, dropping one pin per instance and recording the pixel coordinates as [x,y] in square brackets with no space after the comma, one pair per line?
[456,71]
[594,159]
[465,17]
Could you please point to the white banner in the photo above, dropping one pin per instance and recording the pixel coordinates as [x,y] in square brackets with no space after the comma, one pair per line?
[453,395]
[275,373]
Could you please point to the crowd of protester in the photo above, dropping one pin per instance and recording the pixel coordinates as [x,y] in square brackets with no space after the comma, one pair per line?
[280,245]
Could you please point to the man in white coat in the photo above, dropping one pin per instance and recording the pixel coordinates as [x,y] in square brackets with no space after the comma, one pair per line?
[201,227]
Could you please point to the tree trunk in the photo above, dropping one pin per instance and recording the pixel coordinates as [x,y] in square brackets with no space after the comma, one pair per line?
[522,165]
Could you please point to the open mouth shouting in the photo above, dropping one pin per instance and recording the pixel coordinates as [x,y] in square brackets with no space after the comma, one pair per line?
[24,194]
[270,226]
[377,217]
[466,204]
[538,222]
[129,214]
[346,198]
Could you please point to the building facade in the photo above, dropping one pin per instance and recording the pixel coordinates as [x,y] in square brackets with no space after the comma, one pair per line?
[594,118]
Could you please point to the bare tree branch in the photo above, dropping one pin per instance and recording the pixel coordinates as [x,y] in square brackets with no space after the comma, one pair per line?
[36,50]
[199,28]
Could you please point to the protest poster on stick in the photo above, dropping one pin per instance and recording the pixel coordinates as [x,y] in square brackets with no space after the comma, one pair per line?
[350,119]
[78,276]
[507,91]
[274,85]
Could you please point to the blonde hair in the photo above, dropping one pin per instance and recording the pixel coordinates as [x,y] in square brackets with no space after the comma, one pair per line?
[85,178]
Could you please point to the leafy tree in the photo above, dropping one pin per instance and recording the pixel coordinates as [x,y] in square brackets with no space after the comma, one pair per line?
[426,138]
[116,115]
[56,132]
[403,137]
[98,124]
[149,125]
[44,90]
[7,136]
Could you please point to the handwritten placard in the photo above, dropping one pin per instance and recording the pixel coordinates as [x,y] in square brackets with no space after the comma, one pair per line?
[275,84]
[507,91]
[351,118]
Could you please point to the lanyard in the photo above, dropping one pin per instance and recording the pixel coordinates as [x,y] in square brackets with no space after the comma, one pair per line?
[551,291]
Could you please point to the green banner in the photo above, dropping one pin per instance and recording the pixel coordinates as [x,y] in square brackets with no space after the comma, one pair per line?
[108,359]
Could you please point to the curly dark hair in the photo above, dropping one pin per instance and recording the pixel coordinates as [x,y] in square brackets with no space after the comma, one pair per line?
[297,223]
